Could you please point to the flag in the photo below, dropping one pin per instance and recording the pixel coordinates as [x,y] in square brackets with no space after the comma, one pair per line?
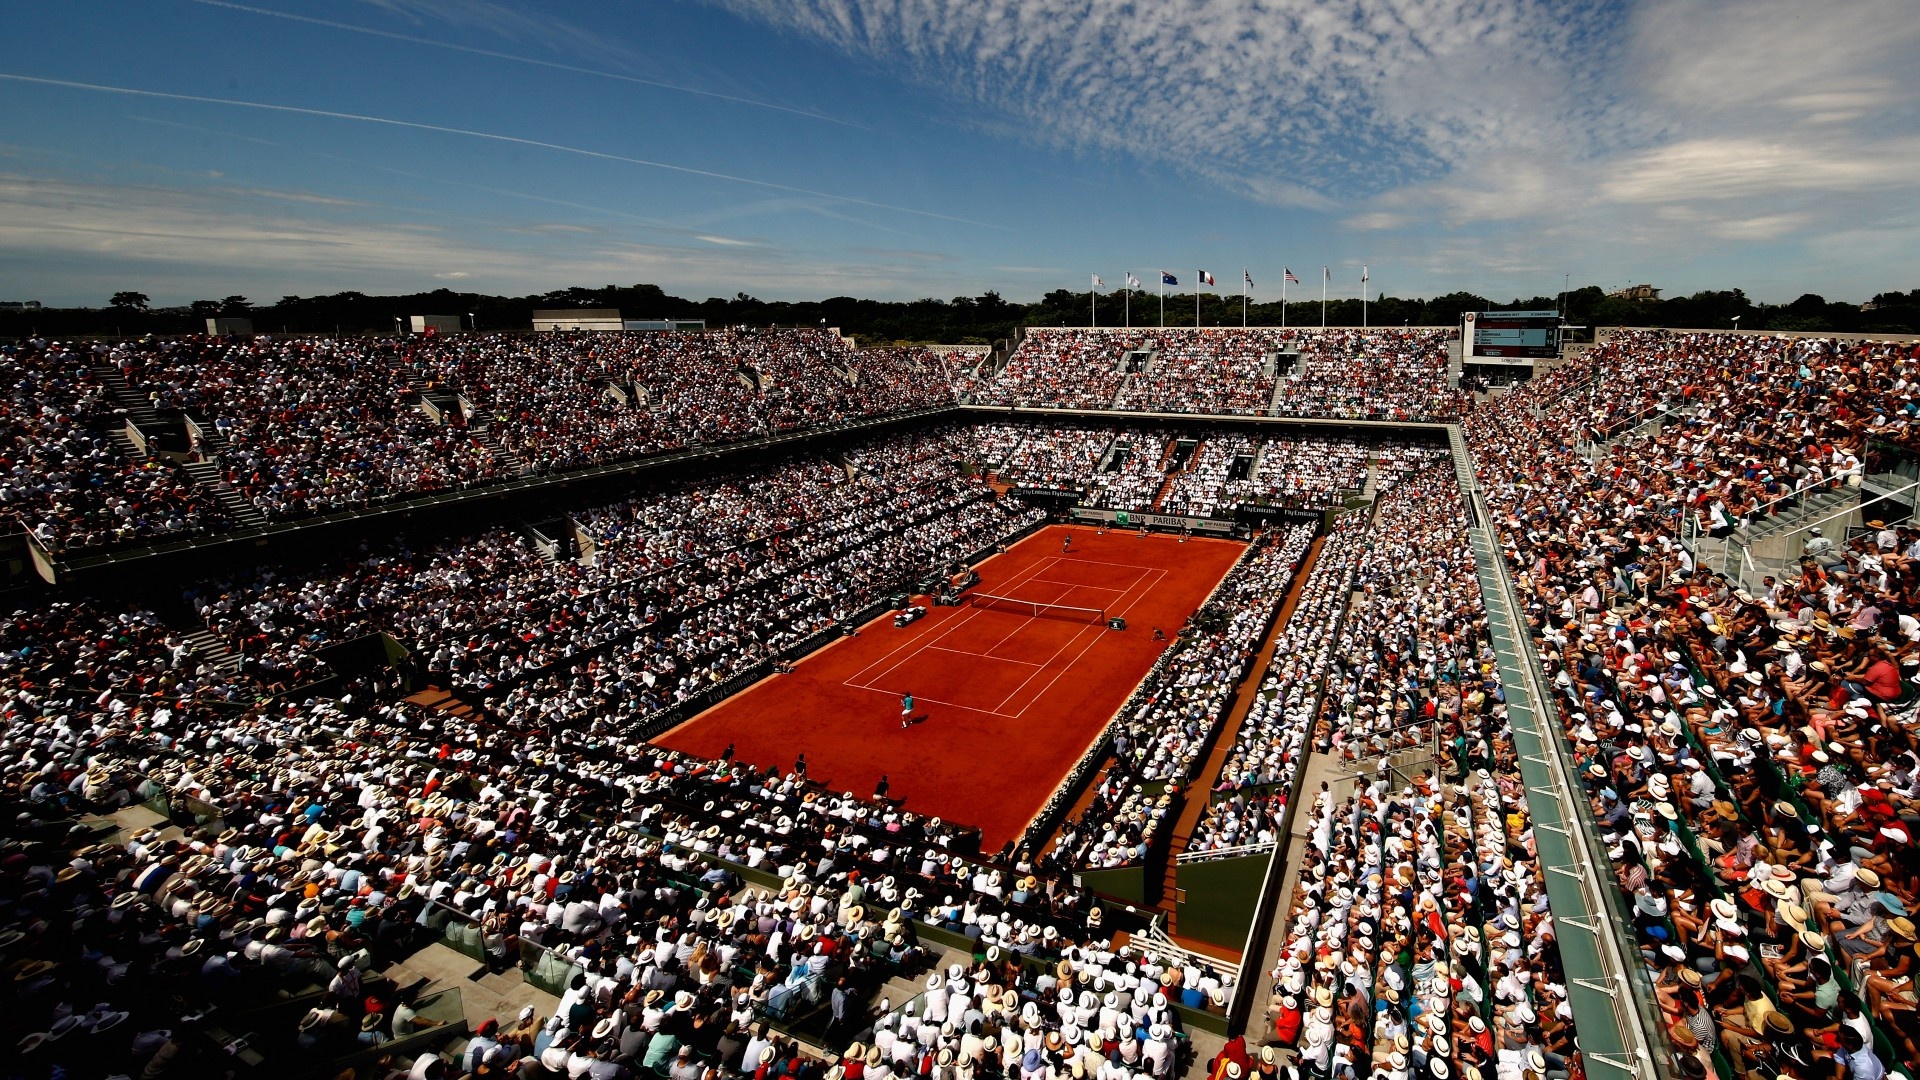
[1363,275]
[1248,274]
[1327,272]
[1290,276]
[1205,278]
[1097,283]
[1168,279]
[1132,282]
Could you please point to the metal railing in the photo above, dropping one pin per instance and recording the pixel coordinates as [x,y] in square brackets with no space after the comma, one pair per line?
[1614,1009]
[1154,941]
[1223,853]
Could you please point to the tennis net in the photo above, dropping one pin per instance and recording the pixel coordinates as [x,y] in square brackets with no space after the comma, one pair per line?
[1036,608]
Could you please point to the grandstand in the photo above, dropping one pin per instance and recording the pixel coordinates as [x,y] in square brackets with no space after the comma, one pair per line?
[535,703]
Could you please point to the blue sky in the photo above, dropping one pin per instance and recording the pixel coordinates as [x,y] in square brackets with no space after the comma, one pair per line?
[905,148]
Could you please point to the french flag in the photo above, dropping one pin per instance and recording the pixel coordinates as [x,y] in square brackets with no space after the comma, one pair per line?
[1205,278]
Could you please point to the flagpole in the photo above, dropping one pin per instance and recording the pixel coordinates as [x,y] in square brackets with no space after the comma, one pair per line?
[1283,297]
[1196,300]
[1163,299]
[1363,297]
[1126,303]
[1326,275]
[1093,302]
[1243,298]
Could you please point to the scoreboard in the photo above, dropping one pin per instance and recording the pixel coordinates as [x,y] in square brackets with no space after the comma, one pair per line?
[1515,335]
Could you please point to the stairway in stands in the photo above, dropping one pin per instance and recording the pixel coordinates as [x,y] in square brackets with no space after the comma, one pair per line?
[1166,486]
[125,444]
[444,701]
[138,408]
[481,427]
[215,651]
[206,474]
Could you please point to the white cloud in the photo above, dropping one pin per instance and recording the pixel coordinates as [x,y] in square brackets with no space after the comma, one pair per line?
[1289,102]
[1731,167]
[185,242]
[1375,220]
[1774,58]
[1649,133]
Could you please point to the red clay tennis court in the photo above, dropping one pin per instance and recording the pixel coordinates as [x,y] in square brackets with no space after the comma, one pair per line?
[1005,701]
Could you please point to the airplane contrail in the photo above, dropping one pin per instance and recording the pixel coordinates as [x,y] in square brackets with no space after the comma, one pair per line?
[517,59]
[414,125]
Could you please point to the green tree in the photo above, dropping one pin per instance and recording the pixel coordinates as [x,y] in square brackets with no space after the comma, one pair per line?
[204,308]
[235,305]
[130,301]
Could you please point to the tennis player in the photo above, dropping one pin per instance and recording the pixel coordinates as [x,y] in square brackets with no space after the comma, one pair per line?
[906,709]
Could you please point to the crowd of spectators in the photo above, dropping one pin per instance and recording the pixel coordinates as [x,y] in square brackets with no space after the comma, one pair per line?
[570,399]
[1201,487]
[1379,374]
[1063,369]
[1371,375]
[1412,652]
[306,426]
[340,837]
[1251,794]
[1214,371]
[1418,928]
[1156,746]
[302,426]
[1302,471]
[343,832]
[1136,471]
[1049,457]
[694,582]
[1156,469]
[62,476]
[1747,747]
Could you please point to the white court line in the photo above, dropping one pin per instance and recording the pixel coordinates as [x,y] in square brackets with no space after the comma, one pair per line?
[1056,675]
[907,659]
[1026,577]
[1072,584]
[982,656]
[918,698]
[946,628]
[1127,565]
[1098,629]
[1008,636]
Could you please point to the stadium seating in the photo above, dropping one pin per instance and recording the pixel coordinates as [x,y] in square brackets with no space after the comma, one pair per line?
[290,428]
[1149,468]
[1347,374]
[1747,748]
[66,480]
[1749,756]
[1420,909]
[1173,716]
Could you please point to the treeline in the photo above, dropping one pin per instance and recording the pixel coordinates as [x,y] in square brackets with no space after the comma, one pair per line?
[975,320]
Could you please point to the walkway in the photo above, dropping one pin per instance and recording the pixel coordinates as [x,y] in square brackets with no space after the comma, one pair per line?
[1200,790]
